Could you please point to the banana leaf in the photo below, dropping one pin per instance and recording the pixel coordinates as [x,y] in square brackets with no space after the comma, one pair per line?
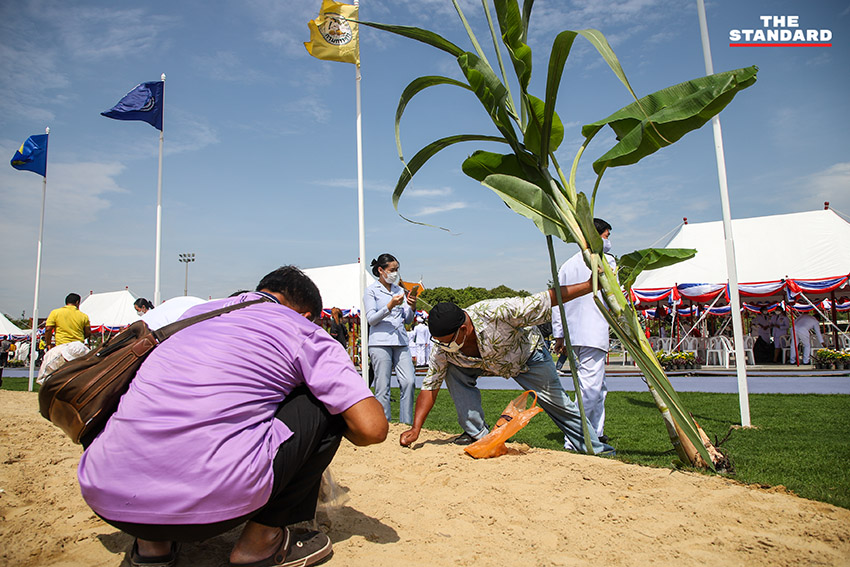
[426,153]
[659,119]
[632,264]
[513,31]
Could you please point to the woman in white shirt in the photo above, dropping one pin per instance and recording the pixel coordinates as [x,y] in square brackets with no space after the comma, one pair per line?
[388,310]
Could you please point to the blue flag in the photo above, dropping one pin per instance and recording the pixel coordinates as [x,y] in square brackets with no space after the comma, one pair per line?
[33,155]
[142,103]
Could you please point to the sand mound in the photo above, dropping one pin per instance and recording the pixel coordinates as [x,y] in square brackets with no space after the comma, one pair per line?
[433,505]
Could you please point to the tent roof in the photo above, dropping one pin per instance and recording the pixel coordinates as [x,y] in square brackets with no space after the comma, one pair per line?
[110,310]
[808,245]
[339,285]
[9,328]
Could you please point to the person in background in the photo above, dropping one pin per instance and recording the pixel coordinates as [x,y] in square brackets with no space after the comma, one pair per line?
[5,347]
[388,310]
[338,328]
[779,325]
[588,334]
[142,306]
[804,326]
[422,342]
[68,323]
[232,420]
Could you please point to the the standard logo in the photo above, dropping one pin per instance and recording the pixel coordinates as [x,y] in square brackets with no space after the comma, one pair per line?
[335,30]
[780,31]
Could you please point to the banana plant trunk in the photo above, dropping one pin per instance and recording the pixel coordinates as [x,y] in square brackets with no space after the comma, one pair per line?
[568,344]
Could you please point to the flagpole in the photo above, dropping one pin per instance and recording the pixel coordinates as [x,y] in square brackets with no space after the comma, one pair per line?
[364,324]
[34,335]
[731,265]
[156,277]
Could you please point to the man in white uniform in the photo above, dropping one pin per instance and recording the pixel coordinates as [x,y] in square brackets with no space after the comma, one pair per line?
[588,335]
[779,329]
[421,342]
[803,325]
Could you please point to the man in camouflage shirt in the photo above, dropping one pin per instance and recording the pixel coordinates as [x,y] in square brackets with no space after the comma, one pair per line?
[497,337]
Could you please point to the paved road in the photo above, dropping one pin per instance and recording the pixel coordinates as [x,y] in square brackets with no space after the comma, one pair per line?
[728,384]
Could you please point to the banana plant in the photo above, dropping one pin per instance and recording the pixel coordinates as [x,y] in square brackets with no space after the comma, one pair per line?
[530,181]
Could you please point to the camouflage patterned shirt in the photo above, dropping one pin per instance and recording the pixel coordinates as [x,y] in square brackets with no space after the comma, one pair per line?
[507,336]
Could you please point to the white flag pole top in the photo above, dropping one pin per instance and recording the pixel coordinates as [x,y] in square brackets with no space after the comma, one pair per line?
[361,225]
[731,267]
[158,254]
[34,335]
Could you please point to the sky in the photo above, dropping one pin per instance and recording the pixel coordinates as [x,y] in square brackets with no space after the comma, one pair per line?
[260,164]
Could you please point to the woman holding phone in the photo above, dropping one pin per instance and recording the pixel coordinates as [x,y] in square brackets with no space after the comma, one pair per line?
[388,310]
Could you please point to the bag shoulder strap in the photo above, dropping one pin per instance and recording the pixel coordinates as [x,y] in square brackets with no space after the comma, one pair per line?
[164,332]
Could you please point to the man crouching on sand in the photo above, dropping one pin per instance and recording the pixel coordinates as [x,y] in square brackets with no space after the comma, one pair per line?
[497,337]
[232,420]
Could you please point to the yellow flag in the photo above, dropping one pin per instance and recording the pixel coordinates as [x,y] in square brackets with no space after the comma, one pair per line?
[332,36]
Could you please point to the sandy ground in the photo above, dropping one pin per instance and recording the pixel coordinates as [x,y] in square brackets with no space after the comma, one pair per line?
[433,505]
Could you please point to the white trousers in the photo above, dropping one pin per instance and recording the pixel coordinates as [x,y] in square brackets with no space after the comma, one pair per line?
[591,376]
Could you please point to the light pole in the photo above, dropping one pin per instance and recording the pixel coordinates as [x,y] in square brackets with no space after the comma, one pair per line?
[186,258]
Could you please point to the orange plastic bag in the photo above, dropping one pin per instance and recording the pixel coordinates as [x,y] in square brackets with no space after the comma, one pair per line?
[514,418]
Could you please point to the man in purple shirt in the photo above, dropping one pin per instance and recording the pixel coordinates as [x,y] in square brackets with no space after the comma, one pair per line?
[232,420]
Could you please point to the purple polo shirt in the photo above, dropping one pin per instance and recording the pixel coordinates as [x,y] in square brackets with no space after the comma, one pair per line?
[193,439]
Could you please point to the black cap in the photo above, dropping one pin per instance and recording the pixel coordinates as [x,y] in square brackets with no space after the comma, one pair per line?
[444,319]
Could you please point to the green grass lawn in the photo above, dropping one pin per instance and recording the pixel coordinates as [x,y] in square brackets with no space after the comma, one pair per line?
[800,441]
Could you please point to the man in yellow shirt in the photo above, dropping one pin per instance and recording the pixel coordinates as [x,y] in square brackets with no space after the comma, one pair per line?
[68,323]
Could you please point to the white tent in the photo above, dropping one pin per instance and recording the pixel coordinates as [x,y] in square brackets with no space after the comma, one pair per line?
[111,310]
[8,328]
[340,286]
[805,252]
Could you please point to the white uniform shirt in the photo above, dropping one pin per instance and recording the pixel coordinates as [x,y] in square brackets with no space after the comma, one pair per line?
[587,325]
[805,324]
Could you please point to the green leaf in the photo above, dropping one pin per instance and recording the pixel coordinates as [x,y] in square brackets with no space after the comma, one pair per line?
[492,94]
[584,216]
[535,125]
[526,17]
[597,39]
[632,264]
[528,200]
[426,153]
[416,86]
[558,58]
[512,27]
[469,32]
[659,119]
[425,36]
[482,164]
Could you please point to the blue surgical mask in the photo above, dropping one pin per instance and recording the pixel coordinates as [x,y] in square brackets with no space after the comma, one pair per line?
[606,245]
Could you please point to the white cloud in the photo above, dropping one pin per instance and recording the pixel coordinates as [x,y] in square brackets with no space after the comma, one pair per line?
[832,184]
[435,192]
[227,66]
[433,210]
[311,107]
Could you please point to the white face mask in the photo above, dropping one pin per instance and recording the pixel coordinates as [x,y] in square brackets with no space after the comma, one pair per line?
[392,278]
[606,245]
[453,347]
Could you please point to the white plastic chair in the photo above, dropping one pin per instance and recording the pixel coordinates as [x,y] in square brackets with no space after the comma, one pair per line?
[749,343]
[691,344]
[719,349]
[844,341]
[666,344]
